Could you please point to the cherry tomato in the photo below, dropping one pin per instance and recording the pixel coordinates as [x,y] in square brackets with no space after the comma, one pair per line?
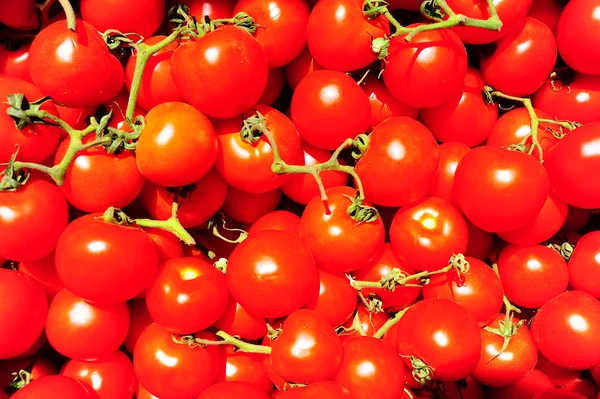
[369,322]
[143,17]
[244,367]
[559,393]
[401,162]
[139,319]
[450,155]
[275,84]
[232,389]
[525,388]
[222,74]
[77,118]
[44,272]
[248,207]
[383,105]
[300,67]
[142,393]
[335,300]
[547,11]
[19,14]
[16,63]
[318,390]
[214,9]
[236,321]
[328,107]
[584,264]
[277,220]
[82,331]
[559,376]
[578,19]
[167,245]
[57,386]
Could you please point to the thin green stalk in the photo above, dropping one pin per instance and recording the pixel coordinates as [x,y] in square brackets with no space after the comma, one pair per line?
[70,13]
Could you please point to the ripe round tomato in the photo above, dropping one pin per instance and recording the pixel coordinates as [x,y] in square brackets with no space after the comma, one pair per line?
[547,11]
[300,67]
[574,318]
[328,107]
[142,393]
[335,300]
[559,376]
[143,17]
[167,245]
[338,243]
[248,207]
[584,264]
[32,218]
[401,163]
[222,74]
[232,389]
[340,36]
[112,377]
[525,388]
[177,146]
[82,331]
[275,83]
[308,350]
[44,272]
[24,306]
[383,105]
[75,68]
[243,367]
[214,9]
[236,321]
[492,181]
[559,393]
[576,45]
[447,338]
[247,166]
[277,220]
[317,390]
[139,319]
[568,164]
[19,14]
[522,60]
[164,367]
[450,155]
[16,63]
[271,274]
[57,386]
[368,321]
[428,70]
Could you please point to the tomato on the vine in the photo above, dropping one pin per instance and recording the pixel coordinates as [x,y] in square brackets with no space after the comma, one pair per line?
[57,385]
[584,264]
[383,104]
[44,272]
[232,389]
[236,321]
[450,155]
[244,367]
[143,17]
[318,390]
[16,62]
[249,207]
[277,220]
[335,300]
[19,14]
[577,43]
[300,67]
[214,9]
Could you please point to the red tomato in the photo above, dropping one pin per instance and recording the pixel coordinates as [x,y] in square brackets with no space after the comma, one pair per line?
[275,84]
[75,117]
[32,218]
[401,163]
[337,242]
[340,36]
[335,300]
[498,368]
[525,388]
[236,321]
[24,303]
[244,367]
[428,70]
[369,322]
[491,182]
[532,275]
[19,14]
[480,242]
[57,386]
[453,120]
[308,350]
[44,272]
[16,63]
[271,274]
[167,245]
[568,164]
[573,33]
[547,11]
[277,220]
[157,85]
[178,145]
[214,9]
[450,155]
[211,72]
[559,376]
[73,324]
[577,219]
[143,17]
[464,389]
[328,107]
[118,106]
[413,5]
[247,207]
[300,67]
[142,393]
[584,264]
[138,321]
[164,367]
[383,105]
[447,339]
[75,68]
[232,389]
[318,390]
[559,393]
[522,60]
[112,377]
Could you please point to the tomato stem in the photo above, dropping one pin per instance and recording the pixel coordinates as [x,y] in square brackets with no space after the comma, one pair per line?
[507,304]
[390,323]
[219,222]
[565,249]
[226,339]
[171,225]
[70,13]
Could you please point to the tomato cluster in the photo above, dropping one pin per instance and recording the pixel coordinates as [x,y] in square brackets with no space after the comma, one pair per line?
[299,199]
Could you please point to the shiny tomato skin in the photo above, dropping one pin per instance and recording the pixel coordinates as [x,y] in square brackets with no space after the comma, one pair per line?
[401,163]
[75,68]
[573,33]
[19,14]
[139,319]
[236,321]
[318,390]
[525,388]
[244,367]
[559,393]
[572,317]
[383,105]
[275,84]
[559,376]
[232,389]
[249,207]
[271,274]
[570,181]
[142,393]
[32,219]
[491,181]
[168,245]
[178,145]
[222,74]
[277,220]
[16,63]
[368,321]
[328,107]
[547,11]
[335,300]
[143,17]
[337,242]
[450,155]
[300,67]
[73,323]
[428,70]
[112,377]
[340,36]
[164,367]
[44,272]
[215,9]
[61,386]
[584,264]
[523,59]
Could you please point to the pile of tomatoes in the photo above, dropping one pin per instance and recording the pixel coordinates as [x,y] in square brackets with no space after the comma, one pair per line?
[299,199]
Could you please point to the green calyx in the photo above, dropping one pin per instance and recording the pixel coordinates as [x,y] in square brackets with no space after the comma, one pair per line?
[24,112]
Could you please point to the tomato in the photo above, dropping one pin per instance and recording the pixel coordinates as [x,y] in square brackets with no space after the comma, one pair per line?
[447,339]
[75,68]
[215,9]
[300,67]
[44,272]
[547,224]
[139,319]
[77,118]
[35,142]
[271,274]
[198,202]
[112,377]
[57,386]
[383,105]
[178,145]
[559,376]
[413,5]
[401,163]
[400,297]
[32,218]
[222,74]
[164,367]
[157,84]
[525,388]
[547,11]
[142,393]
[510,12]
[584,264]
[576,99]
[583,387]
[368,321]
[428,70]
[522,60]
[308,350]
[83,331]
[577,219]
[247,166]
[559,393]
[247,207]
[318,390]
[328,107]
[16,63]
[167,245]
[337,242]
[568,163]
[118,106]
[236,321]
[232,389]
[491,182]
[339,35]
[277,220]
[335,300]
[275,84]
[139,16]
[244,367]
[19,14]
[578,19]
[19,292]
[450,155]
[480,242]
[463,389]
[532,275]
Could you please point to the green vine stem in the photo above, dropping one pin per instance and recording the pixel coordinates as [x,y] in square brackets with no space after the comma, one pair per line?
[70,13]
[219,222]
[565,249]
[390,323]
[226,339]
[172,225]
[507,329]
[507,304]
